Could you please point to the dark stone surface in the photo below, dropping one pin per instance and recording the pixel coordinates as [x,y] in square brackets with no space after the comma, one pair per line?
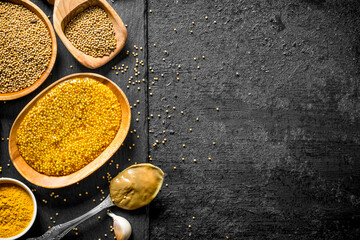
[285,163]
[284,75]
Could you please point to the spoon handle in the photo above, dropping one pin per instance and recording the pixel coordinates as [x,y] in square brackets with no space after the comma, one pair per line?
[59,231]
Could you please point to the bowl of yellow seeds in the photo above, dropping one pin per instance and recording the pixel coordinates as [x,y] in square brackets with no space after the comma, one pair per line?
[18,208]
[28,48]
[69,130]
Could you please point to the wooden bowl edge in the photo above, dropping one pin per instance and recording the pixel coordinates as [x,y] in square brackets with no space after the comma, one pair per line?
[46,73]
[53,182]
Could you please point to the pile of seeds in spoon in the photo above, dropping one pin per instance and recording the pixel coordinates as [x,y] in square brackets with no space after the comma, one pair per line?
[25,50]
[92,32]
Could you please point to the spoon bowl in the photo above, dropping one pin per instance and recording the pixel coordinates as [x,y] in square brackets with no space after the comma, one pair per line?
[35,9]
[65,10]
[46,181]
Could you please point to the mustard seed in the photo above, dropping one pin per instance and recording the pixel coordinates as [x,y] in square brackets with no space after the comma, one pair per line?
[92,32]
[25,50]
[65,130]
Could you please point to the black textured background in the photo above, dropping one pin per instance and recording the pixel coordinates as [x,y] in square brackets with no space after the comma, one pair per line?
[285,163]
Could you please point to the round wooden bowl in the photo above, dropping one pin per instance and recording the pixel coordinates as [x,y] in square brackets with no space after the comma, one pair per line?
[46,181]
[35,9]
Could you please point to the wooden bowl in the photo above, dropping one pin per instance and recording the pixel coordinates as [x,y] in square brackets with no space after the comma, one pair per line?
[65,10]
[46,181]
[32,7]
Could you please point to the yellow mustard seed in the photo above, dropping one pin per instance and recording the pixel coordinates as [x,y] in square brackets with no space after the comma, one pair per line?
[69,127]
[92,32]
[26,47]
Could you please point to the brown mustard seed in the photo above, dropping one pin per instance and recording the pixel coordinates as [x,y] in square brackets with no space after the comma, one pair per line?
[25,50]
[92,32]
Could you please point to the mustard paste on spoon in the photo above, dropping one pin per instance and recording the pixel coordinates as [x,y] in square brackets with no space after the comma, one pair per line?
[136,186]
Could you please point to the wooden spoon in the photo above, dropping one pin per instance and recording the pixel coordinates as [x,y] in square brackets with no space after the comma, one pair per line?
[61,181]
[35,9]
[65,10]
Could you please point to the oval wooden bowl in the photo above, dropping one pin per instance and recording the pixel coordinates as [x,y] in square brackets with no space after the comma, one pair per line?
[29,5]
[65,10]
[46,181]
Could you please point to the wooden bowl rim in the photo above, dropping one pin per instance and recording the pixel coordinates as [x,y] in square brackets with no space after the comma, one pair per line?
[35,9]
[46,181]
[87,60]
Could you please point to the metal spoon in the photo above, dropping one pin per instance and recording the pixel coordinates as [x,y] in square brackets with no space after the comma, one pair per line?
[59,231]
[139,179]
